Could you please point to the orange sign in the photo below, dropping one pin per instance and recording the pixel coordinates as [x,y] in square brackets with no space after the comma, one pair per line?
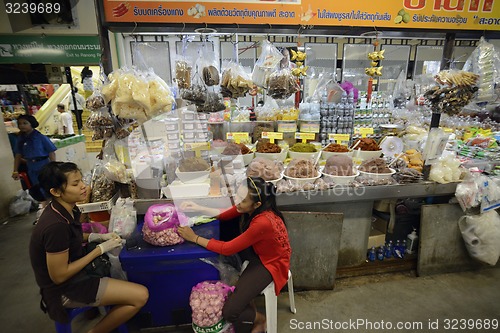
[426,14]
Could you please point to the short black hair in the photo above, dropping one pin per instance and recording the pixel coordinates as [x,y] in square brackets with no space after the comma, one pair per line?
[30,119]
[53,175]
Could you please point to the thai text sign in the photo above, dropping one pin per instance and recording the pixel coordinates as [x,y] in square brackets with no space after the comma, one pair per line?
[426,14]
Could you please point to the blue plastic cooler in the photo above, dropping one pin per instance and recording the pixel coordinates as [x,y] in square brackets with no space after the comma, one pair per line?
[169,273]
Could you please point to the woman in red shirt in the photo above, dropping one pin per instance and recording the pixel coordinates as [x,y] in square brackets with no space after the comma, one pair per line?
[264,236]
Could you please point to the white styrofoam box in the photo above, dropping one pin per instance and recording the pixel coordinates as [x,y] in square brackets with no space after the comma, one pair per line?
[178,190]
[189,126]
[172,126]
[174,145]
[203,116]
[154,128]
[201,136]
[173,136]
[188,116]
[189,135]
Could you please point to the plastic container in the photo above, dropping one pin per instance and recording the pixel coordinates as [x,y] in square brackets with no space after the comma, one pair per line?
[303,155]
[192,177]
[342,180]
[172,126]
[377,176]
[302,181]
[169,273]
[273,156]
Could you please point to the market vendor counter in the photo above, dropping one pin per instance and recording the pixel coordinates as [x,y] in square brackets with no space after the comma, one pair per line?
[169,273]
[334,241]
[72,149]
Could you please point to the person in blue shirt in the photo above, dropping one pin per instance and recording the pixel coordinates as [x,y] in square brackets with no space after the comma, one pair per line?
[34,148]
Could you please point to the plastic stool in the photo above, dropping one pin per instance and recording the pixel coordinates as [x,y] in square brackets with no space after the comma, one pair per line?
[25,181]
[272,304]
[72,313]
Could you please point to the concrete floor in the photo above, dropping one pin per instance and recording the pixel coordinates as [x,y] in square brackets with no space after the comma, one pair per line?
[373,302]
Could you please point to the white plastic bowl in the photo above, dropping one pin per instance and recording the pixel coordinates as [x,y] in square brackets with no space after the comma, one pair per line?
[342,180]
[366,154]
[273,156]
[377,176]
[302,181]
[303,155]
[275,181]
[247,158]
[327,154]
[192,177]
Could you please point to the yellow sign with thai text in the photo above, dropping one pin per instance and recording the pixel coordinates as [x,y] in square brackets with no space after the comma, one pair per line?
[401,14]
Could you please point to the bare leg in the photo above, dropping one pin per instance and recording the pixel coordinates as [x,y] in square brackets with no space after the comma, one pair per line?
[259,325]
[127,297]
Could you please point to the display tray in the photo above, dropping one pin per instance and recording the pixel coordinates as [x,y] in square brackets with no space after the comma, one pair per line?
[98,206]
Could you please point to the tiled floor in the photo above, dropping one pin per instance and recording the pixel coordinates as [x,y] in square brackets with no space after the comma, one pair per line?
[356,304]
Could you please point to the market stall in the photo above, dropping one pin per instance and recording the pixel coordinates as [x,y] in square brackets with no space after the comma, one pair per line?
[355,132]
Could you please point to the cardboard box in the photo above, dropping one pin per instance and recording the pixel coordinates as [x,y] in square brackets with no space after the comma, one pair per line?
[376,238]
[377,233]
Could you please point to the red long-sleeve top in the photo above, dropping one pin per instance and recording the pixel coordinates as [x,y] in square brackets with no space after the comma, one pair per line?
[268,236]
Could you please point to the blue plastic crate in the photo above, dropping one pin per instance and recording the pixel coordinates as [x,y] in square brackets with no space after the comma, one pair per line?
[169,273]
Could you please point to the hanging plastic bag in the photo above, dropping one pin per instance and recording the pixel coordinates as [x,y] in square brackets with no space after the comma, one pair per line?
[160,225]
[327,87]
[235,81]
[266,64]
[123,220]
[207,300]
[103,188]
[481,234]
[282,84]
[485,62]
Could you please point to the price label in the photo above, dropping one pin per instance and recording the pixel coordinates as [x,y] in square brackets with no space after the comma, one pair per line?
[339,137]
[309,127]
[272,136]
[238,137]
[364,131]
[197,147]
[304,136]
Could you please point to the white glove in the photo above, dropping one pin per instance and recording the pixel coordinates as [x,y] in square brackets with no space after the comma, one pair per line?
[109,245]
[94,237]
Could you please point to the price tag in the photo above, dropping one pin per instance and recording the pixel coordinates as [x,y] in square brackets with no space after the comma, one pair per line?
[238,137]
[339,137]
[364,131]
[309,127]
[272,136]
[304,136]
[197,147]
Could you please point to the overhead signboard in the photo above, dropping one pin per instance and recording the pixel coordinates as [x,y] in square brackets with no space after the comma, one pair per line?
[63,50]
[404,14]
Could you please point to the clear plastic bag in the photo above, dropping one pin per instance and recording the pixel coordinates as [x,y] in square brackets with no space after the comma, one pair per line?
[228,274]
[235,81]
[123,220]
[481,234]
[103,188]
[282,84]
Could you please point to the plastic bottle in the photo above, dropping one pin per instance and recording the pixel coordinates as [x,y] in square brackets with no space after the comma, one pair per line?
[397,250]
[380,252]
[388,250]
[372,254]
[412,242]
[403,247]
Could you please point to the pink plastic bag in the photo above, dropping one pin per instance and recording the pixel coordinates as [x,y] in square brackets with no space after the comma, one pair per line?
[94,227]
[160,225]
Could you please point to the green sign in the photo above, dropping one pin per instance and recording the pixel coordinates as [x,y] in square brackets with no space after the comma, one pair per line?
[63,50]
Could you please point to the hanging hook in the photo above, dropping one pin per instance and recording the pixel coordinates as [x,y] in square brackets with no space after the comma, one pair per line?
[133,30]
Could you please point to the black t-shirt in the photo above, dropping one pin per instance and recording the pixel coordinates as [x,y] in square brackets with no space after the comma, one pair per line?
[57,231]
